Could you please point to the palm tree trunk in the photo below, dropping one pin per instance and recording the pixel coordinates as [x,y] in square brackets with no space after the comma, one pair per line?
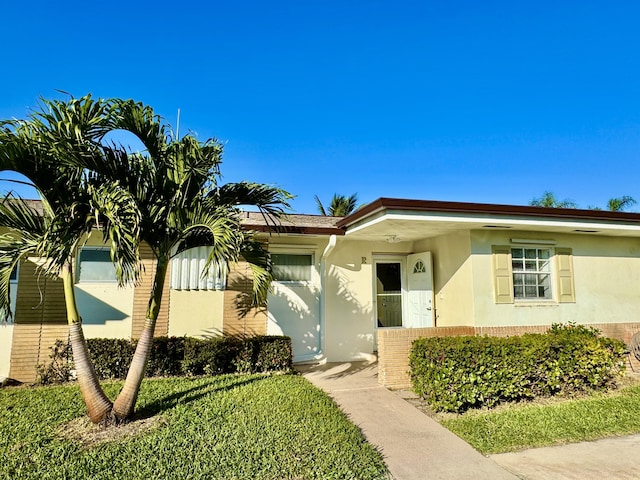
[126,401]
[98,404]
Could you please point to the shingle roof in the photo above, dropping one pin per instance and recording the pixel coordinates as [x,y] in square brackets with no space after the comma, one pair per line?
[293,223]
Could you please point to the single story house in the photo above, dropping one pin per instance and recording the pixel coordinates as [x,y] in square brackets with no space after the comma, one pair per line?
[349,288]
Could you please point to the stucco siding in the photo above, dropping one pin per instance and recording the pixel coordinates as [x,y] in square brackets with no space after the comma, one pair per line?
[350,327]
[105,309]
[452,277]
[294,307]
[606,275]
[6,338]
[195,313]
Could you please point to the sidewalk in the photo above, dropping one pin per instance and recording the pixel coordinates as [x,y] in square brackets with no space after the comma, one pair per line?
[610,458]
[414,446]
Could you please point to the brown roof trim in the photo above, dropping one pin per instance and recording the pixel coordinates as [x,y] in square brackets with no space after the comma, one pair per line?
[296,230]
[486,208]
[292,223]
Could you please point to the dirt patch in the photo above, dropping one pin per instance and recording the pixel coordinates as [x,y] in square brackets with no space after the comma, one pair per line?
[89,434]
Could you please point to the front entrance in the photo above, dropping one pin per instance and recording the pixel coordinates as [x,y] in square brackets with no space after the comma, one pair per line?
[404,291]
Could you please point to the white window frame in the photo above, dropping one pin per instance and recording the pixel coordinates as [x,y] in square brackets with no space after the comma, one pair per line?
[312,266]
[79,278]
[538,272]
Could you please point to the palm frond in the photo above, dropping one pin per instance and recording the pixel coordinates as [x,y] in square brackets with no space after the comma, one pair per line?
[271,200]
[119,219]
[27,229]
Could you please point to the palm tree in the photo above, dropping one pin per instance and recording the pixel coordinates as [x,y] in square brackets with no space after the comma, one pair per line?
[619,204]
[549,200]
[39,148]
[340,206]
[175,187]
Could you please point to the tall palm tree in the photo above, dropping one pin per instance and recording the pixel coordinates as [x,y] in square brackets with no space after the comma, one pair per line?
[340,205]
[41,148]
[175,186]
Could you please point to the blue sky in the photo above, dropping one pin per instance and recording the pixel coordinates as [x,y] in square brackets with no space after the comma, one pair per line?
[464,101]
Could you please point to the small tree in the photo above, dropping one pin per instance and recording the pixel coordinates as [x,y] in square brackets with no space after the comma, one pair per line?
[175,185]
[43,148]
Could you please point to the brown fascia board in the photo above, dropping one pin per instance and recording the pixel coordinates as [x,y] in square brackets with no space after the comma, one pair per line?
[294,230]
[382,204]
[290,224]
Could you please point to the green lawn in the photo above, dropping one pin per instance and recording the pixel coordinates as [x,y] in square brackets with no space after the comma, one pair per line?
[226,427]
[521,426]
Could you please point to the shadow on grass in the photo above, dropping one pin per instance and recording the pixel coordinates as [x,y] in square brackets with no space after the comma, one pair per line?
[190,394]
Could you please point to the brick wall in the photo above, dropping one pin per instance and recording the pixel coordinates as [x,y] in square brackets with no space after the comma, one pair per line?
[237,318]
[394,345]
[40,320]
[141,296]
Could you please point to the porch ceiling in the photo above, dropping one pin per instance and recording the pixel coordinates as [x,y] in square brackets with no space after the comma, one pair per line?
[402,226]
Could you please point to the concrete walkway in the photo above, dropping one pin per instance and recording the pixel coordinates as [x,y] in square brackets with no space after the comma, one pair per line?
[610,458]
[414,446]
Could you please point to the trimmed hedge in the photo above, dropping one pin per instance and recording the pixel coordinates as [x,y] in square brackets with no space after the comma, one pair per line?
[457,373]
[176,356]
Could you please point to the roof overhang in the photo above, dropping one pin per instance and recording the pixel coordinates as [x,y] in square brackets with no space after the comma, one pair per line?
[409,220]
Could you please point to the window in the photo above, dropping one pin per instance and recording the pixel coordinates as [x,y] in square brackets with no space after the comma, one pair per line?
[292,267]
[14,275]
[531,269]
[187,271]
[419,267]
[94,265]
[533,273]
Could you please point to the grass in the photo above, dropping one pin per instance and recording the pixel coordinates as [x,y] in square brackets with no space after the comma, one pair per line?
[226,427]
[520,426]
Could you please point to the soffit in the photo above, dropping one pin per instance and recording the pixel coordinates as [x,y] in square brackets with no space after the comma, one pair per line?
[398,225]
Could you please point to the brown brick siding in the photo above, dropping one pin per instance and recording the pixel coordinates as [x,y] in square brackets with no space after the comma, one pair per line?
[141,296]
[394,345]
[40,319]
[236,296]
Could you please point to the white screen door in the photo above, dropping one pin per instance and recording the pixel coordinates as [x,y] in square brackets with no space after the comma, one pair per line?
[389,293]
[420,291]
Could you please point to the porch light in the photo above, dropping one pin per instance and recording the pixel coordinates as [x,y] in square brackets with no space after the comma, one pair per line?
[393,239]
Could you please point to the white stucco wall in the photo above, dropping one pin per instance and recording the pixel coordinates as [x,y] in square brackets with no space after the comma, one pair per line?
[350,329]
[195,313]
[452,278]
[294,307]
[6,336]
[105,309]
[606,274]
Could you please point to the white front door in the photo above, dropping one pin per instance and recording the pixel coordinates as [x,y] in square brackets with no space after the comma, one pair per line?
[419,311]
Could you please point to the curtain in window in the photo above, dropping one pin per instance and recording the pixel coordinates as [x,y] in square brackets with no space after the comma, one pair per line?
[291,267]
[188,266]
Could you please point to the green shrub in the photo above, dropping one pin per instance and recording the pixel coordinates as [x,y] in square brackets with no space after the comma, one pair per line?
[111,357]
[175,356]
[59,369]
[212,356]
[264,354]
[166,357]
[457,373]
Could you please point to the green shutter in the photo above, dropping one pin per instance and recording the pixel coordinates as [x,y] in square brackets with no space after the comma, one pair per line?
[502,274]
[564,281]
